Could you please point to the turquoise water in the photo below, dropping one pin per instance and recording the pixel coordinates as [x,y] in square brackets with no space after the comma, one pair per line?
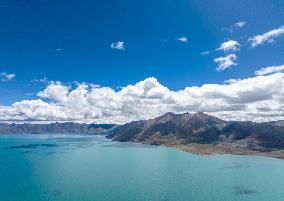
[92,168]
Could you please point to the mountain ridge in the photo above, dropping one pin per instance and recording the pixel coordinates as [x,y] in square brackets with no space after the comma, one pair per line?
[58,128]
[205,134]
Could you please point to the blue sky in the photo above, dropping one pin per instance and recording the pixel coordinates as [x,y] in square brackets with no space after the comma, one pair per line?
[70,41]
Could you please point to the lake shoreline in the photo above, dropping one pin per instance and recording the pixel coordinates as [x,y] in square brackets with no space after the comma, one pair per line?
[193,148]
[220,149]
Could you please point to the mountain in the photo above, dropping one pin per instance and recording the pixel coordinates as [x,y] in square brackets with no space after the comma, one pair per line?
[205,134]
[67,127]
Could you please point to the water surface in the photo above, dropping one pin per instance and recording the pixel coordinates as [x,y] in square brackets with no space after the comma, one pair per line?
[92,168]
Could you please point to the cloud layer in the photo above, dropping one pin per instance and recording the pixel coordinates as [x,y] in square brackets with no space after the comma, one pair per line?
[6,76]
[183,39]
[266,37]
[205,53]
[235,26]
[269,70]
[240,24]
[258,98]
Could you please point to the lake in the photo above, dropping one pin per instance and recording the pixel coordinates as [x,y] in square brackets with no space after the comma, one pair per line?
[92,168]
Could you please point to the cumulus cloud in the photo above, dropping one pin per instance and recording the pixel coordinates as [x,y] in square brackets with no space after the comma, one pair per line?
[55,91]
[183,39]
[119,45]
[259,98]
[225,62]
[266,37]
[269,70]
[7,76]
[230,45]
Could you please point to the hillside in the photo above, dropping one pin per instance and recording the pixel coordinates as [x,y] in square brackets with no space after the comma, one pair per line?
[204,134]
[60,128]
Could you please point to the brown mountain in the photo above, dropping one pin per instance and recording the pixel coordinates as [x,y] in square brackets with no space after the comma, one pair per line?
[205,134]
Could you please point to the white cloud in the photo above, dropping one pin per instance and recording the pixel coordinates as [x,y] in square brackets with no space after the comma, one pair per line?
[266,37]
[269,70]
[240,24]
[183,39]
[7,77]
[55,91]
[225,62]
[32,110]
[55,49]
[204,53]
[230,45]
[42,80]
[259,98]
[119,45]
[234,26]
[230,81]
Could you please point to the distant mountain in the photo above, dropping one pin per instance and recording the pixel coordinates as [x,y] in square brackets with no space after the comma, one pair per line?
[278,123]
[68,127]
[205,134]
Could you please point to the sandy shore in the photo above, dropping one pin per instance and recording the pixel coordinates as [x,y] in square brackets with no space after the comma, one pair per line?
[242,147]
[229,148]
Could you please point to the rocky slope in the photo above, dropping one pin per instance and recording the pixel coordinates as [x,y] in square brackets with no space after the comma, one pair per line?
[205,134]
[68,127]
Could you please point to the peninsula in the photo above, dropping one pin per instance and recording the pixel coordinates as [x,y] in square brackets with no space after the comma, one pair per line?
[201,133]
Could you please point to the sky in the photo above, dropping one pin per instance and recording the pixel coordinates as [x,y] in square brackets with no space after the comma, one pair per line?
[117,61]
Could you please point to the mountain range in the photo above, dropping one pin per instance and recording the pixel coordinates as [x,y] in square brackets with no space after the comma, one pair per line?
[197,133]
[59,128]
[205,134]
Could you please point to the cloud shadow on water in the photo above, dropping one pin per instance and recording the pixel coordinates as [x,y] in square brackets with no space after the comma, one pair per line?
[128,145]
[244,190]
[31,146]
[235,166]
